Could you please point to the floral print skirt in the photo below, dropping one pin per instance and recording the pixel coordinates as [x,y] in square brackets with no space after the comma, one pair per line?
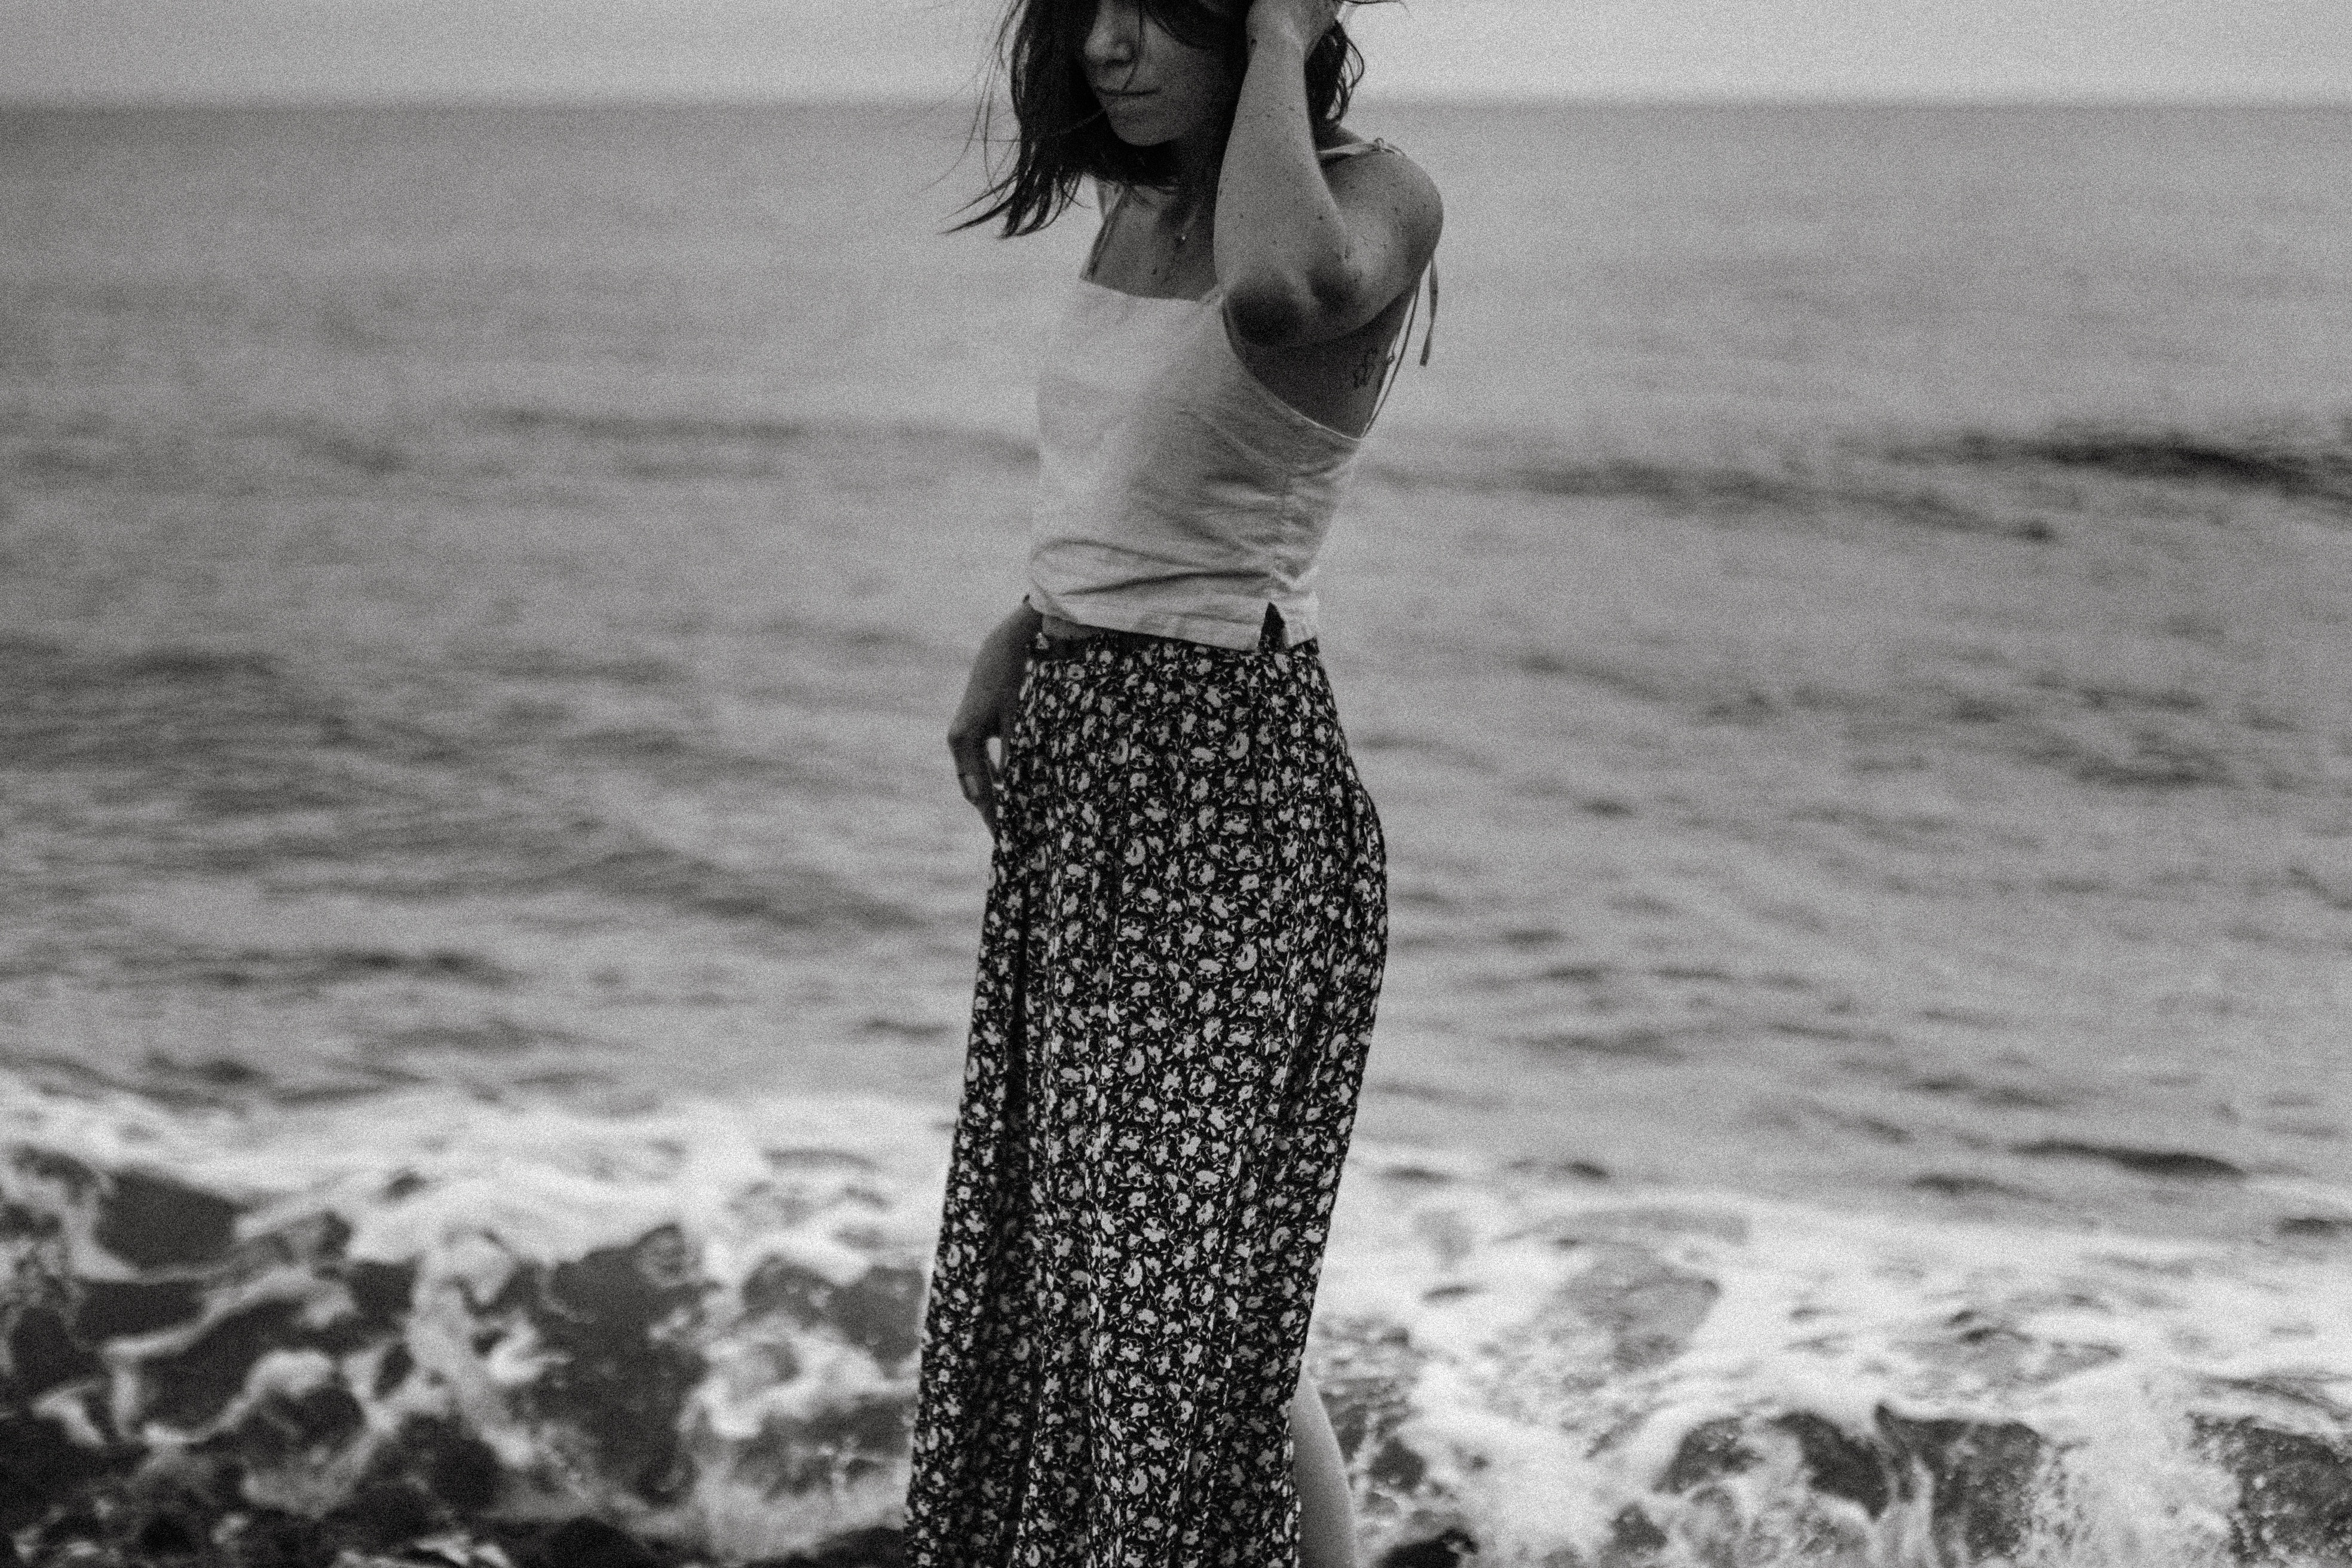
[1186,924]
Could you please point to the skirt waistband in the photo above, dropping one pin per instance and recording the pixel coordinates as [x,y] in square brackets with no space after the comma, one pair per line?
[1059,638]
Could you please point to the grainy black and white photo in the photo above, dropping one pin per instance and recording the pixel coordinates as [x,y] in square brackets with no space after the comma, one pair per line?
[1175,783]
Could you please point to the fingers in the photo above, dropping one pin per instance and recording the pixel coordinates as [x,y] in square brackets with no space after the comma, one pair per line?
[975,774]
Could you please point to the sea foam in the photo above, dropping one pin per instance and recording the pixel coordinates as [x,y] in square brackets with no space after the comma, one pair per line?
[699,1324]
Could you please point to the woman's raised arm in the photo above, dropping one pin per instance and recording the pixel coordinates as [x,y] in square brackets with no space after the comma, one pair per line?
[1304,258]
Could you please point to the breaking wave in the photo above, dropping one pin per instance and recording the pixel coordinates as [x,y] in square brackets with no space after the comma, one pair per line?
[696,1328]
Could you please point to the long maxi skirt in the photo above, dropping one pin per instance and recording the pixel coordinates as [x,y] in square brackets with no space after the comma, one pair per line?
[1186,923]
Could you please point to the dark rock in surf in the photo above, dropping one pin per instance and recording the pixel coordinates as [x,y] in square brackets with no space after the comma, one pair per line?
[1973,1480]
[1836,1463]
[1977,1477]
[1634,1534]
[122,1308]
[43,1355]
[168,1535]
[618,1321]
[825,1451]
[153,1222]
[591,1543]
[1449,1550]
[190,1388]
[1708,1451]
[381,1292]
[880,1311]
[41,1466]
[265,1538]
[306,1430]
[380,1516]
[2294,1492]
[878,1547]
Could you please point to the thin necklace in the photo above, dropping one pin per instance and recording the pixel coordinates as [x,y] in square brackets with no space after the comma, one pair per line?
[1184,231]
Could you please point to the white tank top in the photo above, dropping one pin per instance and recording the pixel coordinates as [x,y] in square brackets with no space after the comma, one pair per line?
[1177,495]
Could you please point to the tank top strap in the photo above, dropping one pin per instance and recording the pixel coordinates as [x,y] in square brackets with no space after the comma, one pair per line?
[1428,330]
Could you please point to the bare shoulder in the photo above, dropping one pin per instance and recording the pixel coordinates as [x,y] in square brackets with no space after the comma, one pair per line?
[1386,187]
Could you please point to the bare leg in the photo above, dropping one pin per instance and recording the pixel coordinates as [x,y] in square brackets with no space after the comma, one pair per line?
[1327,1518]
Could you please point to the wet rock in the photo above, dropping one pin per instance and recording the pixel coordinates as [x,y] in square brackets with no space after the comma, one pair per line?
[591,1543]
[381,1292]
[190,1389]
[1446,1551]
[1978,1478]
[880,1311]
[1632,1534]
[393,1369]
[153,1222]
[437,1457]
[41,1468]
[268,1539]
[2294,1492]
[1396,1467]
[1708,1451]
[43,1355]
[380,1515]
[879,1547]
[828,1450]
[168,1535]
[307,1429]
[1975,1480]
[314,1242]
[618,1320]
[120,1309]
[1836,1463]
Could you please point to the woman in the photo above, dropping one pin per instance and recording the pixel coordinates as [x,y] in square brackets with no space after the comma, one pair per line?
[1186,918]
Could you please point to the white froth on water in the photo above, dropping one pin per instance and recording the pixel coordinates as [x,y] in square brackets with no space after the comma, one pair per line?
[1525,1358]
[1579,1334]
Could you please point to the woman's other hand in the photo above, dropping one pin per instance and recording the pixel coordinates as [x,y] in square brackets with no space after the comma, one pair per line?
[991,695]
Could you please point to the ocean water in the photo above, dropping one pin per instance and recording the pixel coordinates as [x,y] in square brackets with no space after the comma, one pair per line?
[1847,635]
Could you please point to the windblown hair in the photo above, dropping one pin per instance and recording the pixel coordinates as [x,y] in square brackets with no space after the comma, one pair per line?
[1063,136]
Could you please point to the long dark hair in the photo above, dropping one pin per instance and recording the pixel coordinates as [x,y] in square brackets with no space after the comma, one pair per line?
[1063,136]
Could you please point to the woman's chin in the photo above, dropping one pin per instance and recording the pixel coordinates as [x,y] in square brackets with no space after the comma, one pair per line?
[1134,122]
[1136,135]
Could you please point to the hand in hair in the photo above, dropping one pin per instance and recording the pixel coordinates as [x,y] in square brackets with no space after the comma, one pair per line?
[1304,20]
[1307,257]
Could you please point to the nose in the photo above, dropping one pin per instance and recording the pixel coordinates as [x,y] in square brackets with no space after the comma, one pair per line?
[1113,36]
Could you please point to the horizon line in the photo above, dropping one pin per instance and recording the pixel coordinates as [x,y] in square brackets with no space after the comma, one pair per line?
[1374,99]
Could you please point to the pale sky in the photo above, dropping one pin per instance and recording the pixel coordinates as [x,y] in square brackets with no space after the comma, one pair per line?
[214,50]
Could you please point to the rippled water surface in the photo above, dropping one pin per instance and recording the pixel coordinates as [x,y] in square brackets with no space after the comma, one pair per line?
[1846,635]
